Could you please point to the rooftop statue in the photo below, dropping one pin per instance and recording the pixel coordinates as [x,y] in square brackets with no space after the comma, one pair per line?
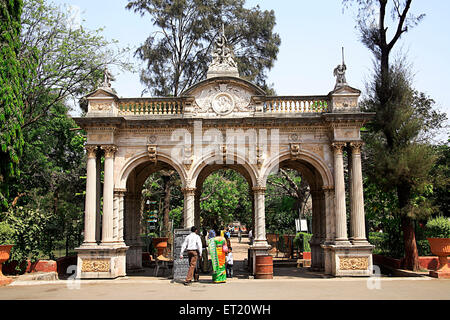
[223,63]
[107,78]
[339,73]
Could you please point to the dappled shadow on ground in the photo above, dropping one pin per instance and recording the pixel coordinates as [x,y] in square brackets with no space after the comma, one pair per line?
[239,272]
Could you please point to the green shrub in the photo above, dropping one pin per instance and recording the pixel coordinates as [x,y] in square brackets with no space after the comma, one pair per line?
[379,240]
[301,241]
[438,228]
[6,233]
[423,248]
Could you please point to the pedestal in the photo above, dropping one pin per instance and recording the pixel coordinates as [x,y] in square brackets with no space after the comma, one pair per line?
[134,259]
[348,260]
[257,251]
[101,262]
[440,274]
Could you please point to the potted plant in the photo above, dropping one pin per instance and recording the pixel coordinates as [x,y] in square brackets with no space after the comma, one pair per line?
[6,244]
[438,236]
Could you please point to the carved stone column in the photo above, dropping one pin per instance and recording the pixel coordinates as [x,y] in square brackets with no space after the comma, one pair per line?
[341,219]
[108,195]
[189,207]
[98,219]
[119,195]
[91,196]
[357,220]
[260,216]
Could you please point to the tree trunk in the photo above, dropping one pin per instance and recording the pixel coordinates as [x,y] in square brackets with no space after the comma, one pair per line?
[411,259]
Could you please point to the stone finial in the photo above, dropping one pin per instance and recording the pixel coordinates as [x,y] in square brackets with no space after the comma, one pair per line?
[223,63]
[339,73]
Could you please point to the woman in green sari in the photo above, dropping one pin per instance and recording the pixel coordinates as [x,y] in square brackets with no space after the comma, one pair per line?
[218,259]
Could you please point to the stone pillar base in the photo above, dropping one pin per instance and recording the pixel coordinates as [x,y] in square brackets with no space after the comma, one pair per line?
[257,250]
[440,274]
[134,258]
[348,260]
[101,262]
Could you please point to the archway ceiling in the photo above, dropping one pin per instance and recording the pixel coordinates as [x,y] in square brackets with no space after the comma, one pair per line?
[209,169]
[307,170]
[144,170]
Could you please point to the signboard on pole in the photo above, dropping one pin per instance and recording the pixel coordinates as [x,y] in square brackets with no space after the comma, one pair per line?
[303,225]
[297,225]
[180,266]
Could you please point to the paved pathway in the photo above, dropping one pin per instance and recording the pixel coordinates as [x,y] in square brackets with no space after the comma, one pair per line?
[288,284]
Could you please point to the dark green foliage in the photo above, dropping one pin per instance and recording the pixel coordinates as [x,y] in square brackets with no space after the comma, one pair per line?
[163,188]
[29,233]
[177,55]
[301,241]
[438,227]
[11,101]
[225,198]
[53,165]
[441,179]
[6,233]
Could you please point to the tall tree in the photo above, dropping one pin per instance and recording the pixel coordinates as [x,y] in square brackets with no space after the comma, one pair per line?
[71,59]
[373,24]
[177,54]
[12,75]
[397,146]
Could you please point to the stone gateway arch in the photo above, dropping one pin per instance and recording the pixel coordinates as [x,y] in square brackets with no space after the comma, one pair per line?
[223,122]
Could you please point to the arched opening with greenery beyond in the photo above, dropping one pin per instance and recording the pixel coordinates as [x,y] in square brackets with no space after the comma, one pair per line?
[224,197]
[153,208]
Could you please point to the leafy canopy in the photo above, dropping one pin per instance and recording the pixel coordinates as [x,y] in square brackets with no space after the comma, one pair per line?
[178,53]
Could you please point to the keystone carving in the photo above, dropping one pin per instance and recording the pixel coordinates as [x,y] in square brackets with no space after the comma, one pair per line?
[295,150]
[152,154]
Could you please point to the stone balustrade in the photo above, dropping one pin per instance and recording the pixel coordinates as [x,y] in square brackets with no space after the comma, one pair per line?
[177,106]
[296,104]
[151,106]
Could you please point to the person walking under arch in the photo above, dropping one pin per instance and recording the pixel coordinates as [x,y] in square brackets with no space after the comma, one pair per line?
[218,250]
[204,263]
[193,244]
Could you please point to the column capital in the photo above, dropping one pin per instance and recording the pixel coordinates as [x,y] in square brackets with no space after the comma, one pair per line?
[120,192]
[188,191]
[91,150]
[259,190]
[109,149]
[356,146]
[338,146]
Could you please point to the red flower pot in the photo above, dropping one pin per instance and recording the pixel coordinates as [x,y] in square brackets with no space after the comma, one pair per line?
[441,248]
[5,250]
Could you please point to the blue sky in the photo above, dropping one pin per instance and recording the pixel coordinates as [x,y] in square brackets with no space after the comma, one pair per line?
[312,34]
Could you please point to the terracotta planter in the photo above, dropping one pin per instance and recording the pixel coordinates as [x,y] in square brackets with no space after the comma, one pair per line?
[4,256]
[160,244]
[441,248]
